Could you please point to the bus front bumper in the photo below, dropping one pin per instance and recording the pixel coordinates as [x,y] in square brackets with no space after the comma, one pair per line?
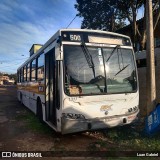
[78,125]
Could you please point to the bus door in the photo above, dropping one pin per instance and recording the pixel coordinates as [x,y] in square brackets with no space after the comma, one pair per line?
[51,87]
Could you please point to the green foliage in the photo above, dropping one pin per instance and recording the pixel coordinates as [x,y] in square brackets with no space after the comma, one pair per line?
[99,14]
[13,76]
[128,9]
[133,139]
[113,14]
[106,15]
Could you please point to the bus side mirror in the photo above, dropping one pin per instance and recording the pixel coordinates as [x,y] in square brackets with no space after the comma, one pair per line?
[58,53]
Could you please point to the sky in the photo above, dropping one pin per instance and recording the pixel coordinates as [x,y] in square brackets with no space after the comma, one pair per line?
[27,22]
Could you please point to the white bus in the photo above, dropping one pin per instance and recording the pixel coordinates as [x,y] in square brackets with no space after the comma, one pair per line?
[81,80]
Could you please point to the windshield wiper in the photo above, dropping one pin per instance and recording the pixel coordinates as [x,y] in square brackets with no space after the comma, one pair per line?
[122,69]
[117,46]
[88,57]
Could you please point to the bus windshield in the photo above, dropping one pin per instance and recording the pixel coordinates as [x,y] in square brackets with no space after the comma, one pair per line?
[114,70]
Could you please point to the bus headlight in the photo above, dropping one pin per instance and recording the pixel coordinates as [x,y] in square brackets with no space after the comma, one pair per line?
[134,109]
[73,116]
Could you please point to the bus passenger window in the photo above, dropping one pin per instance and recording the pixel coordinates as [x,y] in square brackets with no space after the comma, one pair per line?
[33,70]
[28,72]
[21,75]
[40,70]
[18,76]
[25,74]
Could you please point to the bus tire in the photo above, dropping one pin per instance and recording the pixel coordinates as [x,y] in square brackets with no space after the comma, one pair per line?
[39,110]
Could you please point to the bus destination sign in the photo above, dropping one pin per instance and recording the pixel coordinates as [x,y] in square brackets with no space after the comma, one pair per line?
[90,37]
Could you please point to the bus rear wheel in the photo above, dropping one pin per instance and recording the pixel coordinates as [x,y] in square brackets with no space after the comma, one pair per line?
[39,110]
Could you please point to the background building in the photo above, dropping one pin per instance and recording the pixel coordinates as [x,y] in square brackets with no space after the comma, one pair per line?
[6,80]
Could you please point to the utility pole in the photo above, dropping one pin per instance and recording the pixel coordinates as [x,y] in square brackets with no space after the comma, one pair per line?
[151,84]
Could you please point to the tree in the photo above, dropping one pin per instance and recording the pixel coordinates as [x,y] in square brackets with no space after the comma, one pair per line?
[13,76]
[112,14]
[99,14]
[108,15]
[128,10]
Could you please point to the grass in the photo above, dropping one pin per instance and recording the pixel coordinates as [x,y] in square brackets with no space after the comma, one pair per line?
[127,138]
[132,139]
[33,123]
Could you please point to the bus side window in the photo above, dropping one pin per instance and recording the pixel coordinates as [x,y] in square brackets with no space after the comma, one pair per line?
[33,70]
[22,74]
[19,76]
[28,72]
[40,70]
[25,73]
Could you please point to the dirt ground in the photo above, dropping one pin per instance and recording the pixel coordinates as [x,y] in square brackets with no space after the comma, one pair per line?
[15,136]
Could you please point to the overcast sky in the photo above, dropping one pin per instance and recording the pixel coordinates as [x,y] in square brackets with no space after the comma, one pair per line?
[25,22]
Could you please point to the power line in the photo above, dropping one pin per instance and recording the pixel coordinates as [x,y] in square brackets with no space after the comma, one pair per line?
[71,21]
